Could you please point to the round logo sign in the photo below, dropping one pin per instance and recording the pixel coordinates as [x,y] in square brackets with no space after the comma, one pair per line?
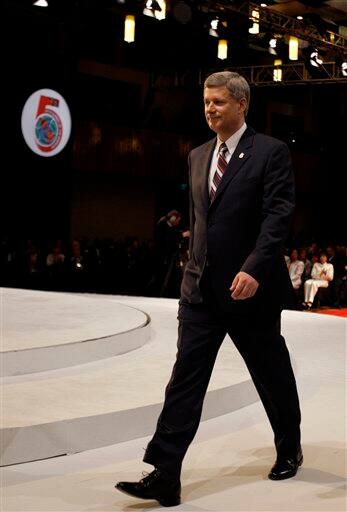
[46,122]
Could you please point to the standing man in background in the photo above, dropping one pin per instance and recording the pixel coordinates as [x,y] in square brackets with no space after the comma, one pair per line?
[167,238]
[235,282]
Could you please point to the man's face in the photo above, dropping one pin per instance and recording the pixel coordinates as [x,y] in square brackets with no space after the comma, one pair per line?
[294,255]
[176,221]
[224,114]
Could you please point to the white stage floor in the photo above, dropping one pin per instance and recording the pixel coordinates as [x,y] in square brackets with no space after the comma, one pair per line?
[226,467]
[109,400]
[49,330]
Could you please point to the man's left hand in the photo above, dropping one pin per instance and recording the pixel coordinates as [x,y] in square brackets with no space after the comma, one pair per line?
[243,286]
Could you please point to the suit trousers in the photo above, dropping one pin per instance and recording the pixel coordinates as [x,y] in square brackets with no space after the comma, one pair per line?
[201,331]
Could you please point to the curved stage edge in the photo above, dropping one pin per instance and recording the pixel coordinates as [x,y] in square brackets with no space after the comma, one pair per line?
[63,399]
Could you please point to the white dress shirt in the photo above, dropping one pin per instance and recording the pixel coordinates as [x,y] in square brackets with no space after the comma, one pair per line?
[231,144]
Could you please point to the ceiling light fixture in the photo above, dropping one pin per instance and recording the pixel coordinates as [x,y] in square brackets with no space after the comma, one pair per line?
[214,28]
[254,29]
[148,11]
[293,48]
[41,3]
[315,60]
[151,8]
[222,49]
[160,15]
[129,28]
[273,46]
[277,74]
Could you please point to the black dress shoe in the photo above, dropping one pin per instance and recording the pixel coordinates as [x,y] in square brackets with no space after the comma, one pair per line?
[286,467]
[154,486]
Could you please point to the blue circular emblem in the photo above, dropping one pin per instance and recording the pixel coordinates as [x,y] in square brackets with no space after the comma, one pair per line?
[46,130]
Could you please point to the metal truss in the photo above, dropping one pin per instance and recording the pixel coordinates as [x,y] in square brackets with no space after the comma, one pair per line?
[282,23]
[291,74]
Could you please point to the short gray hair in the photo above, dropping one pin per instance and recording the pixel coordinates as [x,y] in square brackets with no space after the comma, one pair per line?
[237,85]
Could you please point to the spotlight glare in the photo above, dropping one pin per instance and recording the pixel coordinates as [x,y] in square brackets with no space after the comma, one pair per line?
[273,46]
[160,15]
[254,29]
[214,24]
[148,10]
[344,68]
[299,18]
[41,3]
[315,61]
[214,27]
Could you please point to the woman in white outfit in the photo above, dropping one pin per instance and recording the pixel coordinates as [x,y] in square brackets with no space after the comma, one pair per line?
[322,273]
[295,268]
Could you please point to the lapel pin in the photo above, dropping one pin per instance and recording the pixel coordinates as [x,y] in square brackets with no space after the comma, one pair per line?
[241,155]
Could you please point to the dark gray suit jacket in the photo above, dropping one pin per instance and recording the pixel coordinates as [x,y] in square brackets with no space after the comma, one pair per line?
[245,226]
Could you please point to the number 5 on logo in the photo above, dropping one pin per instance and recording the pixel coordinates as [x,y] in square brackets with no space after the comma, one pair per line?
[46,122]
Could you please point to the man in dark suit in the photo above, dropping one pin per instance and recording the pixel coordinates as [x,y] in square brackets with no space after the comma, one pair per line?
[236,282]
[167,239]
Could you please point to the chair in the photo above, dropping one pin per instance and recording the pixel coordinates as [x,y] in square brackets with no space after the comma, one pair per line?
[299,294]
[322,298]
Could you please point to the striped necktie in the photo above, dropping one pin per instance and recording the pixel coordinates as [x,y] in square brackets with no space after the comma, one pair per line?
[221,166]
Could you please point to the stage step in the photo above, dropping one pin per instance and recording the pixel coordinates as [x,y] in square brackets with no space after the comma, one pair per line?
[48,330]
[90,405]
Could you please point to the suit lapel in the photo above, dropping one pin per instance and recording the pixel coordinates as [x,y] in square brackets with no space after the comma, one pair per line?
[241,154]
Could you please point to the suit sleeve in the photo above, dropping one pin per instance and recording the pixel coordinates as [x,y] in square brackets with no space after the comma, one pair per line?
[191,211]
[277,210]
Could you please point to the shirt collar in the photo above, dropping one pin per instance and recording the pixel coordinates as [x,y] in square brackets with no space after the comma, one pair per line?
[233,141]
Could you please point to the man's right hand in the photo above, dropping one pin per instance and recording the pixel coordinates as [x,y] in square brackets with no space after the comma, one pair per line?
[243,286]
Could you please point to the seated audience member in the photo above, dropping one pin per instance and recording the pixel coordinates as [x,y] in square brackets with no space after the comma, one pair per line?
[56,257]
[337,257]
[76,268]
[314,259]
[322,273]
[312,250]
[76,260]
[307,264]
[29,265]
[296,269]
[55,267]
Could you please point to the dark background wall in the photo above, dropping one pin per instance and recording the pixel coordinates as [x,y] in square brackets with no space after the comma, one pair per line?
[125,164]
